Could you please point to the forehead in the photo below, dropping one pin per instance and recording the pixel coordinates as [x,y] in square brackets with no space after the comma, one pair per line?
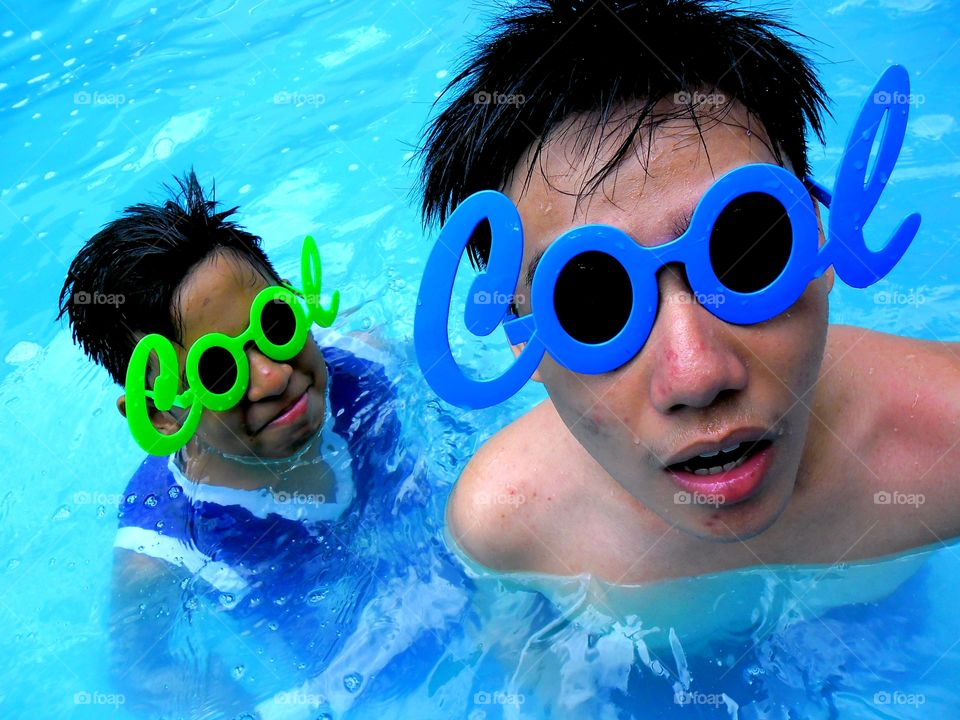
[652,191]
[216,296]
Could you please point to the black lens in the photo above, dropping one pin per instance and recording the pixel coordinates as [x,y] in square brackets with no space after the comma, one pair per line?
[593,297]
[751,242]
[278,322]
[217,369]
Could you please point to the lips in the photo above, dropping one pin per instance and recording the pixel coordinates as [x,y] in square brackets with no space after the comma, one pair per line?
[290,415]
[729,486]
[743,435]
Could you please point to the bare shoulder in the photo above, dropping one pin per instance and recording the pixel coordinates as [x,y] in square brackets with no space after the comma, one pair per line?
[495,510]
[913,389]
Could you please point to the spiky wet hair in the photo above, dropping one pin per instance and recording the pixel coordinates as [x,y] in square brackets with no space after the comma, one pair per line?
[141,259]
[551,59]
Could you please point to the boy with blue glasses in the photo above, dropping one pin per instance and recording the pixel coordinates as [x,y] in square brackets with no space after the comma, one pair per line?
[651,240]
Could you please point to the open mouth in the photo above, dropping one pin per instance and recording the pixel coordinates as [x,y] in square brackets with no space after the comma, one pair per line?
[728,475]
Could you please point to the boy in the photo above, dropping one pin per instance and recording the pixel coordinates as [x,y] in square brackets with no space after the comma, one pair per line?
[244,512]
[625,114]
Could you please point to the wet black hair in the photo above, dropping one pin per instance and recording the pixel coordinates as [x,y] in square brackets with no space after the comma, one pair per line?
[543,61]
[125,278]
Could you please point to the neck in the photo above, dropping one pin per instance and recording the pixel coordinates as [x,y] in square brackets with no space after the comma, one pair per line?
[306,472]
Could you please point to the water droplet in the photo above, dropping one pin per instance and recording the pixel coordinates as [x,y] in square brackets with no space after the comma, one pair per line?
[62,513]
[131,498]
[173,492]
[150,501]
[317,596]
[352,682]
[238,672]
[273,626]
[226,599]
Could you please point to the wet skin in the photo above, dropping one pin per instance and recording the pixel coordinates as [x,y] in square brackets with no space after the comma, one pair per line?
[589,463]
[216,297]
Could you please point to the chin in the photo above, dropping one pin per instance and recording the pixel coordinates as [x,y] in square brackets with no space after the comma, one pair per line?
[740,522]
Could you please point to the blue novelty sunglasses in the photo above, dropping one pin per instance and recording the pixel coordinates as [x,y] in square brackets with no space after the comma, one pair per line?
[750,251]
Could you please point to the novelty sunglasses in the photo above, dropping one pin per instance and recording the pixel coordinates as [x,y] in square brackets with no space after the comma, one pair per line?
[750,251]
[217,368]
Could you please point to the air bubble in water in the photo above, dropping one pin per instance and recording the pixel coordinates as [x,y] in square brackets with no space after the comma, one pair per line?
[352,682]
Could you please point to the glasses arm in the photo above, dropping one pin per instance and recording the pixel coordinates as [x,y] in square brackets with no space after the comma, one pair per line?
[819,191]
[519,329]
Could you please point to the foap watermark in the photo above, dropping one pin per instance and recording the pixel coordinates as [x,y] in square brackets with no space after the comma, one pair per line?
[482,297]
[696,97]
[896,297]
[706,299]
[496,98]
[510,496]
[297,697]
[897,697]
[82,297]
[85,697]
[682,497]
[285,97]
[295,298]
[298,498]
[99,98]
[498,698]
[898,98]
[82,497]
[898,498]
[685,697]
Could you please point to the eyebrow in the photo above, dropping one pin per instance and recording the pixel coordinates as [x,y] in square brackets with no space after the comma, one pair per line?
[679,224]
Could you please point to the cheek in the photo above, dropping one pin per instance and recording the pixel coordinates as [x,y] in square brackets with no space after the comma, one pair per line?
[223,429]
[798,340]
[587,406]
[310,361]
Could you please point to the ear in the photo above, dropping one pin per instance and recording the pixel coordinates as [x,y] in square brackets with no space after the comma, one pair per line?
[828,276]
[516,350]
[164,422]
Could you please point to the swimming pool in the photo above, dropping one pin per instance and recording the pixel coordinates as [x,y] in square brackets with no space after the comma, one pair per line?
[306,115]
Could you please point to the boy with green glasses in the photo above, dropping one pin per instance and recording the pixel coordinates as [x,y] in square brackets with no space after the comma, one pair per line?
[267,449]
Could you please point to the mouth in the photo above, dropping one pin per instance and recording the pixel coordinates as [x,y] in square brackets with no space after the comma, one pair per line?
[726,473]
[291,414]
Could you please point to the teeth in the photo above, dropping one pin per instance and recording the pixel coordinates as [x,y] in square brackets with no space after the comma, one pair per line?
[717,452]
[716,469]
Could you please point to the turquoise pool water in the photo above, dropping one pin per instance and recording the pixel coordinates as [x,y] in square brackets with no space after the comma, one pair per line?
[306,113]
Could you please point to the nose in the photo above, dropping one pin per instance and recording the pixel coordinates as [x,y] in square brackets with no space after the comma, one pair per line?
[268,378]
[694,358]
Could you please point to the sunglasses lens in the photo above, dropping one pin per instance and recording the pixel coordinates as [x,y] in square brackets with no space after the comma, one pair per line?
[751,242]
[278,322]
[217,370]
[593,297]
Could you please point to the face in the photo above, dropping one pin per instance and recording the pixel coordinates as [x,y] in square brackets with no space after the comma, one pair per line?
[698,385]
[284,404]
